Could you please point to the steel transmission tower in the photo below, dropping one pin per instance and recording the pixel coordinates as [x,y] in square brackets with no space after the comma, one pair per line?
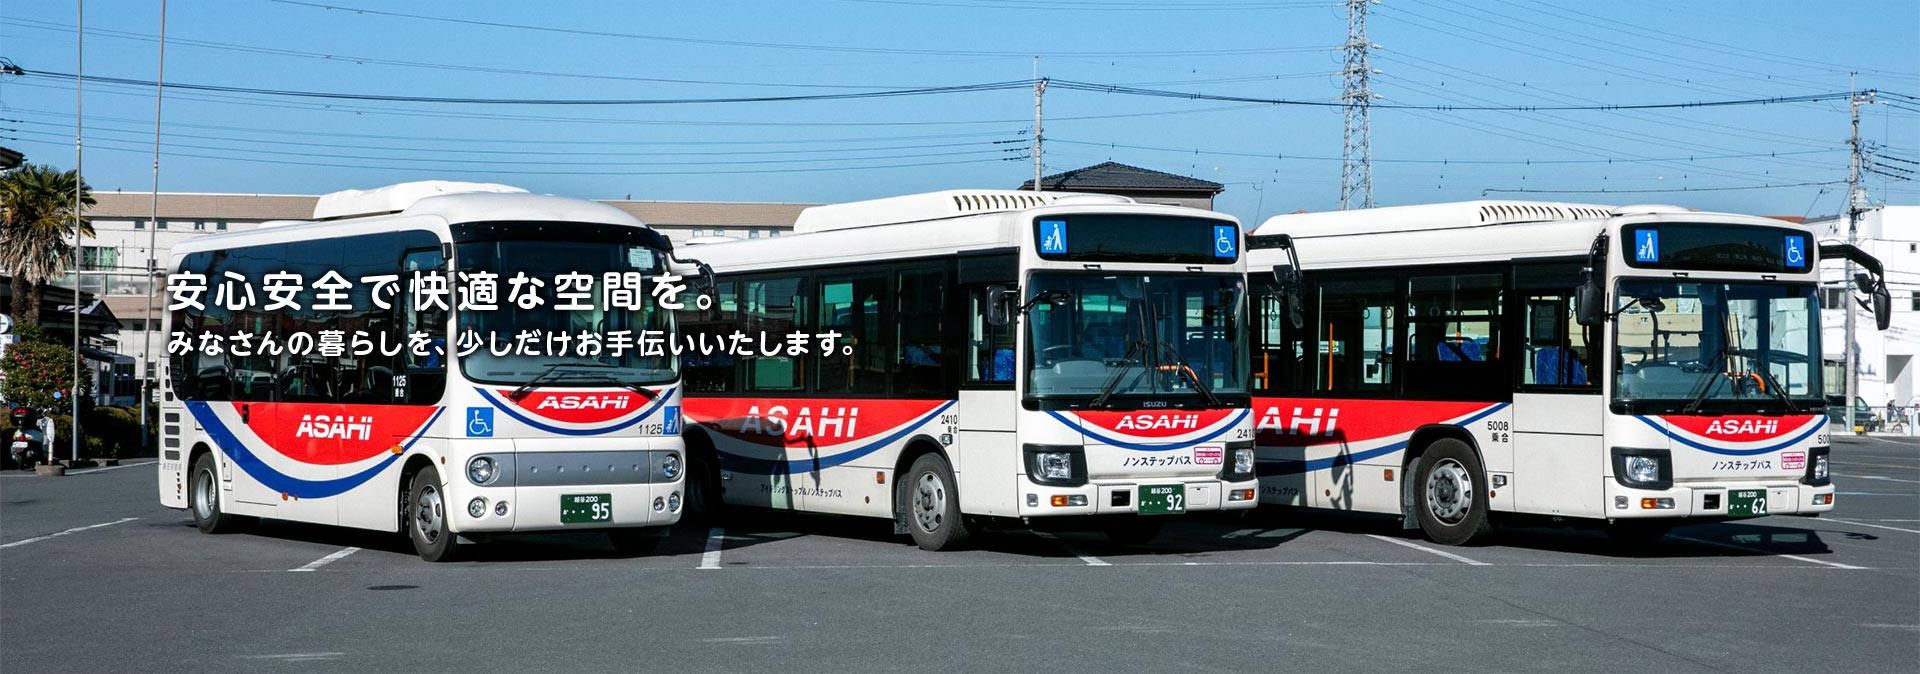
[1356,158]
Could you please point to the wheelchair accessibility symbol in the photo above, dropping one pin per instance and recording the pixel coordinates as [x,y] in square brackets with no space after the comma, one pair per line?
[1226,242]
[1796,252]
[479,422]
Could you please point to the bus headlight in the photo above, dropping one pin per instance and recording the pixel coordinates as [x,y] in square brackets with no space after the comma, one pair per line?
[482,470]
[1816,475]
[1643,469]
[1054,465]
[670,467]
[1637,468]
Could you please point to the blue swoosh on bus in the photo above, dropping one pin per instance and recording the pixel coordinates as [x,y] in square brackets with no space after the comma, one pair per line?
[243,457]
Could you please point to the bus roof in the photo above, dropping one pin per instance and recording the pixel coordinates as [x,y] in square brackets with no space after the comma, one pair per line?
[936,206]
[1451,215]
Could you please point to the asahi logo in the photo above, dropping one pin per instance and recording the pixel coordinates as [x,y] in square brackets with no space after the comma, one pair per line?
[586,401]
[779,421]
[1746,427]
[1322,422]
[1158,422]
[342,427]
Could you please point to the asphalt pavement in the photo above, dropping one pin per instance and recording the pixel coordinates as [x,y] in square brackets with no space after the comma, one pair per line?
[96,576]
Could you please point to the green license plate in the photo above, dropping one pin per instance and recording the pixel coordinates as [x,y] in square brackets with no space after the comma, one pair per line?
[586,508]
[1747,503]
[1163,499]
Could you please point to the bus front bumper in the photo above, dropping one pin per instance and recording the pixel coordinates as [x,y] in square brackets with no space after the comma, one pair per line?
[1119,497]
[549,491]
[1719,500]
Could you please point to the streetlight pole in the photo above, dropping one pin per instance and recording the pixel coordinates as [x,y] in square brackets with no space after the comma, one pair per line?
[153,239]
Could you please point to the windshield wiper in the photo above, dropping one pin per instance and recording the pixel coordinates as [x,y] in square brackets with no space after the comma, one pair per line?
[1706,386]
[1191,376]
[1773,386]
[1113,381]
[544,376]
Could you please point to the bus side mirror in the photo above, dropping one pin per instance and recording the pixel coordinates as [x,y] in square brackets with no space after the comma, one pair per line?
[1000,300]
[1286,277]
[1881,298]
[1589,304]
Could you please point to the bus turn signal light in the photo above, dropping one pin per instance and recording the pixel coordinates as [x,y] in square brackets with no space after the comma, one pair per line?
[1656,504]
[1240,495]
[1060,500]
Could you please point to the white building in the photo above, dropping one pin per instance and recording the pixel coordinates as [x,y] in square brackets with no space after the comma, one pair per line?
[1886,359]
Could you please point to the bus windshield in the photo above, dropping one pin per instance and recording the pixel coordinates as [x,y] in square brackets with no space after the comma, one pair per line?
[1106,335]
[1697,344]
[562,364]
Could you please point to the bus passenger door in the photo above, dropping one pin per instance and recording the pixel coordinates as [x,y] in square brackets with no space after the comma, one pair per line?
[986,453]
[1558,457]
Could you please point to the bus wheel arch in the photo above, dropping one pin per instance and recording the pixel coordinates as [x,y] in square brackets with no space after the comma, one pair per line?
[1445,471]
[915,448]
[414,464]
[203,491]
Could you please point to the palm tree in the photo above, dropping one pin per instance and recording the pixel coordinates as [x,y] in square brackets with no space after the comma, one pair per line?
[37,219]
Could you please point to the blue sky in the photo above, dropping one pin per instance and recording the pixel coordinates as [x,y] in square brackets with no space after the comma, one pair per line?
[1432,52]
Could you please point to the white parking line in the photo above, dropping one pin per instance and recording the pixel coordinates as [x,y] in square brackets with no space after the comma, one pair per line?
[74,530]
[1884,478]
[1422,548]
[716,538]
[1859,523]
[1089,559]
[1744,548]
[323,561]
[90,471]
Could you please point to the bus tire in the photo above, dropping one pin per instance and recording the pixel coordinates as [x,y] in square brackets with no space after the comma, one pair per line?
[704,502]
[1637,533]
[633,542]
[1449,494]
[203,498]
[428,525]
[933,506]
[1134,531]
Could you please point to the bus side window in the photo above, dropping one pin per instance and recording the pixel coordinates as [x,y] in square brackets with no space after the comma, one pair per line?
[711,372]
[989,349]
[920,313]
[1453,347]
[852,305]
[1354,331]
[772,309]
[1557,351]
[426,376]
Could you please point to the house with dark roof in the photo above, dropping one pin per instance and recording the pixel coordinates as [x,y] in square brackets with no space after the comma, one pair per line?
[1143,185]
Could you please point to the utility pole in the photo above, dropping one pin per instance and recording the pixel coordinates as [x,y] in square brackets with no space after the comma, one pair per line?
[1356,157]
[1856,203]
[79,235]
[153,239]
[1039,91]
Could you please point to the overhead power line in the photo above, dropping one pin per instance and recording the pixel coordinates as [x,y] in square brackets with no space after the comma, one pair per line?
[953,89]
[1449,162]
[1604,190]
[399,98]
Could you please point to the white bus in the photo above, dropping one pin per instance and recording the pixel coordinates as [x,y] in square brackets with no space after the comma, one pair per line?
[1007,355]
[423,439]
[1456,364]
